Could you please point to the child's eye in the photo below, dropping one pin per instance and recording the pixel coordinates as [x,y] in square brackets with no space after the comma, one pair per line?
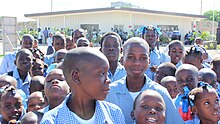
[207,103]
[145,107]
[130,57]
[101,74]
[159,109]
[115,45]
[8,107]
[143,58]
[18,105]
[217,100]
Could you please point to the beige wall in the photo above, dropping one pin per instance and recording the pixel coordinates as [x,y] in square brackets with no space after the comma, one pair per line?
[107,20]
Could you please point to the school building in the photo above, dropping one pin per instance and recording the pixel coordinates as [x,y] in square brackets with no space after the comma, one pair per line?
[116,17]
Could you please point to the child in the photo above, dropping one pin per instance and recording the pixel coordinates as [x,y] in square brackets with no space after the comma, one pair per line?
[82,42]
[194,57]
[36,84]
[58,57]
[207,75]
[187,78]
[11,106]
[59,42]
[164,69]
[124,91]
[216,69]
[89,84]
[150,35]
[78,33]
[37,68]
[170,83]
[69,43]
[24,59]
[7,64]
[55,89]
[32,118]
[6,80]
[176,52]
[204,102]
[149,107]
[36,101]
[111,48]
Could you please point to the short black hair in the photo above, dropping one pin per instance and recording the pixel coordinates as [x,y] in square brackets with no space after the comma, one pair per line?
[111,33]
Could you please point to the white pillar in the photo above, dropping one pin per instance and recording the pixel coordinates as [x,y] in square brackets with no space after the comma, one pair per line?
[64,21]
[38,22]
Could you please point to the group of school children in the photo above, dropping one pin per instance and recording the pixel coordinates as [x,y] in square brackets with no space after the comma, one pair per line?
[130,83]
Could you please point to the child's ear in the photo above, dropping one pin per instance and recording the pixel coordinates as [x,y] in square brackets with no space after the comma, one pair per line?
[132,115]
[75,76]
[194,110]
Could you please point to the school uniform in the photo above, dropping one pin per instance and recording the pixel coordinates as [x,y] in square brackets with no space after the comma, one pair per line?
[23,85]
[156,58]
[7,64]
[120,95]
[195,121]
[120,72]
[104,113]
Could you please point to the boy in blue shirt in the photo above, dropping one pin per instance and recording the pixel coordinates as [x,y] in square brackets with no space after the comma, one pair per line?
[89,84]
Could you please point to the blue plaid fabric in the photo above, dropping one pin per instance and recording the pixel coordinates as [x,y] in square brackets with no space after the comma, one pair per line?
[120,72]
[106,113]
[119,95]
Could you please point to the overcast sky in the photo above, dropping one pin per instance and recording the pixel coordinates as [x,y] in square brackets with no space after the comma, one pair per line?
[20,7]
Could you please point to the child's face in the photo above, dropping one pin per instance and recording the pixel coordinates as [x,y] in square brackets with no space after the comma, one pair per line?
[172,88]
[35,86]
[82,43]
[58,44]
[37,69]
[207,106]
[55,85]
[11,107]
[161,73]
[69,45]
[186,78]
[59,57]
[77,35]
[27,43]
[35,103]
[176,53]
[216,69]
[24,62]
[199,42]
[94,80]
[211,80]
[149,109]
[151,38]
[35,45]
[196,61]
[111,47]
[135,60]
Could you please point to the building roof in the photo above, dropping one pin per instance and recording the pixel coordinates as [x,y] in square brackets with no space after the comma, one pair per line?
[113,9]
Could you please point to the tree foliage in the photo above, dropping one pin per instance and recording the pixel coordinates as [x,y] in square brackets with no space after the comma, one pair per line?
[209,15]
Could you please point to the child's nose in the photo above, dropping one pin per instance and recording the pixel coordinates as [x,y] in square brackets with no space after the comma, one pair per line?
[55,81]
[152,111]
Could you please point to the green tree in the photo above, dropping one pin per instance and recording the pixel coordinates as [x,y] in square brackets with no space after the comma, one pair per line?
[209,15]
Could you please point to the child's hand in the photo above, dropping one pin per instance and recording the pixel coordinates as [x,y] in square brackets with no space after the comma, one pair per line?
[153,68]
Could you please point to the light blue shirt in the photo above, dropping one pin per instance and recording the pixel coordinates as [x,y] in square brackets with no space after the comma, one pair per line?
[24,86]
[105,113]
[195,121]
[8,64]
[120,72]
[156,58]
[49,59]
[119,95]
[179,64]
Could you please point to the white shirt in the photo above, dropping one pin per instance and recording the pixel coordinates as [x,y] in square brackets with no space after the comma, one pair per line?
[82,121]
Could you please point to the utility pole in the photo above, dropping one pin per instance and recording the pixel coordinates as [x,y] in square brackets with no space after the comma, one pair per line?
[201,8]
[51,5]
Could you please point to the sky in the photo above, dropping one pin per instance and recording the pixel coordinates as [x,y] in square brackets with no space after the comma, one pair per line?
[18,8]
